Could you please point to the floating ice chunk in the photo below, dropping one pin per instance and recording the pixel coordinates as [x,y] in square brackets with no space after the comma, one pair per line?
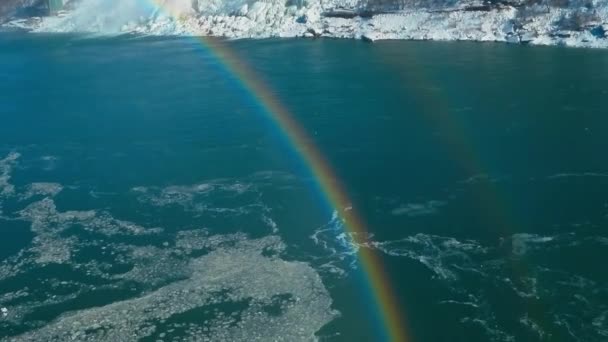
[42,189]
[270,223]
[230,274]
[6,167]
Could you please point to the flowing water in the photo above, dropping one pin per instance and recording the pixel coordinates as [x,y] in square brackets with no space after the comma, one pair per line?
[145,195]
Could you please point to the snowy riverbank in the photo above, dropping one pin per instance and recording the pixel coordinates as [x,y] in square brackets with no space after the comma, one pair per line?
[539,22]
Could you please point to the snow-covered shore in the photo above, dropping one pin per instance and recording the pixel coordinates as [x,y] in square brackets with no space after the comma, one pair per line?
[578,23]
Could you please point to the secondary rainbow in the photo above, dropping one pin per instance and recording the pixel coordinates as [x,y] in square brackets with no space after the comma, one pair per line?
[338,200]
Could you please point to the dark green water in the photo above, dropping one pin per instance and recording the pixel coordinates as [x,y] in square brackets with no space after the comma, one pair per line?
[145,196]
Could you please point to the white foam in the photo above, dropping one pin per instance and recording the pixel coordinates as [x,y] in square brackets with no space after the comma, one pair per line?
[456,262]
[334,231]
[435,252]
[50,162]
[418,209]
[522,242]
[340,247]
[493,332]
[455,302]
[601,323]
[480,178]
[271,223]
[533,326]
[577,175]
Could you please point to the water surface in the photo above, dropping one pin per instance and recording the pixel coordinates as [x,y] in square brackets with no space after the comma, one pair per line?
[139,180]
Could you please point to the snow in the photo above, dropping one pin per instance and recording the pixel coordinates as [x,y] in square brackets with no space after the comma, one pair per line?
[538,25]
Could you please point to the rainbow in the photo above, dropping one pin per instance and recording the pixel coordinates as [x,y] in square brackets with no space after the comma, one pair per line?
[387,303]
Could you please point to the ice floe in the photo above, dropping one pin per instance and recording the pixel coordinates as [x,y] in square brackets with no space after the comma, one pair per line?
[42,189]
[6,167]
[236,274]
[232,286]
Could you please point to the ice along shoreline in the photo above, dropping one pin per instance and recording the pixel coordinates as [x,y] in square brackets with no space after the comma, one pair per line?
[537,24]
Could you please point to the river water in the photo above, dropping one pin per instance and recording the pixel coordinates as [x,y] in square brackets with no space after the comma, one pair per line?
[145,195]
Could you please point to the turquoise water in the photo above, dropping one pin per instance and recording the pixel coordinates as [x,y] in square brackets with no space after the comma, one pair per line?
[145,196]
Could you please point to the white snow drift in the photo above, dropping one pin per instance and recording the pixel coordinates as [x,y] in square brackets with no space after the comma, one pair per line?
[580,23]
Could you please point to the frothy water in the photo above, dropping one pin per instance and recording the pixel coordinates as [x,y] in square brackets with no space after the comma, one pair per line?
[458,264]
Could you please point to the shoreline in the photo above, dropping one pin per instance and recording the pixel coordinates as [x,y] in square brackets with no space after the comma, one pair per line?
[503,24]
